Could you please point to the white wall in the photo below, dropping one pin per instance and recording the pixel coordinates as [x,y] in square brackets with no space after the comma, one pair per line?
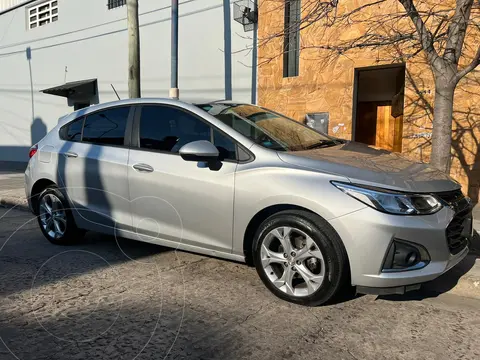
[7,4]
[91,41]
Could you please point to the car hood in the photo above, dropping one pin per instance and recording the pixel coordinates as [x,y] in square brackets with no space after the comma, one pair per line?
[366,165]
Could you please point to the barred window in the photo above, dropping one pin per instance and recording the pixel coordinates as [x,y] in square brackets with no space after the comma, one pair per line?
[42,13]
[115,3]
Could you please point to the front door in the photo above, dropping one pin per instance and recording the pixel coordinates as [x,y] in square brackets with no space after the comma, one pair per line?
[176,201]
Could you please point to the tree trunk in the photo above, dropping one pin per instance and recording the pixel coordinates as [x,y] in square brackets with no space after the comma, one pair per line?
[442,125]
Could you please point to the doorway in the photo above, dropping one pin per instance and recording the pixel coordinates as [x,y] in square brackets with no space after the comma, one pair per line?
[378,106]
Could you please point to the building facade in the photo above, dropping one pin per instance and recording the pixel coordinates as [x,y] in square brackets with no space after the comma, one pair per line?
[58,55]
[381,96]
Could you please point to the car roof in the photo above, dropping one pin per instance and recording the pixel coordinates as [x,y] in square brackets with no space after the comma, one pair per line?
[136,101]
[194,108]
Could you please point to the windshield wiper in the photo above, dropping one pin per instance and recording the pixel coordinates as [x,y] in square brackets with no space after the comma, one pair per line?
[320,144]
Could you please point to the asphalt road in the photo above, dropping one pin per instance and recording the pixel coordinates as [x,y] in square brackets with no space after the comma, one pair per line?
[121,299]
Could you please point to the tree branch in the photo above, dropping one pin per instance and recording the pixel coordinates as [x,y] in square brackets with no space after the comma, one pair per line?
[475,62]
[362,7]
[426,38]
[457,31]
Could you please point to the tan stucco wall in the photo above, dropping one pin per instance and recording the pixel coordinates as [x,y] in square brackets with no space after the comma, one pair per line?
[326,84]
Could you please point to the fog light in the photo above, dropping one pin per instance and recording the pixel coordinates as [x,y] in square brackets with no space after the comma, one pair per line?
[412,259]
[404,256]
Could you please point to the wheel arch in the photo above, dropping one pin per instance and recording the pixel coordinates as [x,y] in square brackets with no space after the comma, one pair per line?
[255,222]
[37,188]
[268,211]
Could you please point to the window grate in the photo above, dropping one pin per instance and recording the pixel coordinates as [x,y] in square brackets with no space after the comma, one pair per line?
[112,4]
[42,14]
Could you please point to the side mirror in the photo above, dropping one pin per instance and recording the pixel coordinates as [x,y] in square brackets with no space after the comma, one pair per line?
[201,150]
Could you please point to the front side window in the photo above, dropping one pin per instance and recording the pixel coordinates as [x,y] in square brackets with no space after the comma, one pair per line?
[226,146]
[106,127]
[166,128]
[267,128]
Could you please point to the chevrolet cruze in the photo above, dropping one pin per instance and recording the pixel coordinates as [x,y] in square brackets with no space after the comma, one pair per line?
[312,213]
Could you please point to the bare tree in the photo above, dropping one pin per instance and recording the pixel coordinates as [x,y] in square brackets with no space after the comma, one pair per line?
[432,29]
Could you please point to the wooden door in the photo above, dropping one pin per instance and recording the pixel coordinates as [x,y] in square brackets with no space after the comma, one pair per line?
[366,123]
[389,129]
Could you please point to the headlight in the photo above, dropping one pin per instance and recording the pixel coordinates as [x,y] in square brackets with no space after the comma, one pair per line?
[390,201]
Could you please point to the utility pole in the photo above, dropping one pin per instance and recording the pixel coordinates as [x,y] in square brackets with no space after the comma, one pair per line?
[133,49]
[174,92]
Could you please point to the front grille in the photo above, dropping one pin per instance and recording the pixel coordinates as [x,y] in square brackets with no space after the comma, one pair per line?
[457,234]
[451,197]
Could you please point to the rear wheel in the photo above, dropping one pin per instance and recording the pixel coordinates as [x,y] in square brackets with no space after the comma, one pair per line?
[300,257]
[55,218]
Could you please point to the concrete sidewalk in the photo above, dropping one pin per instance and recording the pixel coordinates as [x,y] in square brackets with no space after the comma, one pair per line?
[12,191]
[462,280]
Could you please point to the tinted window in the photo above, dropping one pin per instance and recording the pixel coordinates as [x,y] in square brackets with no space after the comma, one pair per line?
[267,128]
[226,147]
[291,56]
[106,127]
[73,131]
[167,128]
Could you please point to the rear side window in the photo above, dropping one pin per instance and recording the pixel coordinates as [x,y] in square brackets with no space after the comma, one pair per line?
[73,131]
[106,127]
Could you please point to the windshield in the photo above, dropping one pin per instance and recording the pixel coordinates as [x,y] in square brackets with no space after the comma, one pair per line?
[267,128]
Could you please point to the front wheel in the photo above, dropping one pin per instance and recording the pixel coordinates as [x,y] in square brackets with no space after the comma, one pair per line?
[300,258]
[55,218]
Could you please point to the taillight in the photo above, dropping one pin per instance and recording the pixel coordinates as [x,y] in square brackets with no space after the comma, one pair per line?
[33,151]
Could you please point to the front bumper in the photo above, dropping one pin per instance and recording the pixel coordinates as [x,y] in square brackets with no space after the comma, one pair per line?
[368,233]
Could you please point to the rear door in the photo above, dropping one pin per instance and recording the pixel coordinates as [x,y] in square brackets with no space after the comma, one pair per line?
[93,168]
[178,201]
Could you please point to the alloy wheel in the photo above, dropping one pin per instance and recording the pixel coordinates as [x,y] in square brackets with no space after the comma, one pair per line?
[53,217]
[292,261]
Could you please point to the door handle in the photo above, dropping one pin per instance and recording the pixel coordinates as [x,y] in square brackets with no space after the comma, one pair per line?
[71,154]
[143,167]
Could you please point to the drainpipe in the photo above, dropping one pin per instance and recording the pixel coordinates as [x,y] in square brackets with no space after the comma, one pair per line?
[227,47]
[174,92]
[254,56]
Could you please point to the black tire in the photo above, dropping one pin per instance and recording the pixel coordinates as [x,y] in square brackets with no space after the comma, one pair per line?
[337,273]
[72,233]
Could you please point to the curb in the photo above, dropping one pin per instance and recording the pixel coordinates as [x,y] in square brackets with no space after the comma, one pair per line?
[462,280]
[468,287]
[17,203]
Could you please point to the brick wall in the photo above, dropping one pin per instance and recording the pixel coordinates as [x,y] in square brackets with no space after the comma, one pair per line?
[326,79]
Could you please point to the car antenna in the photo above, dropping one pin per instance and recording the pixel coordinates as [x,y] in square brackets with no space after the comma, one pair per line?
[115,91]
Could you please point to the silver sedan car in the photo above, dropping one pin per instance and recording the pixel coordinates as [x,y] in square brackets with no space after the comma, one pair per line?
[313,214]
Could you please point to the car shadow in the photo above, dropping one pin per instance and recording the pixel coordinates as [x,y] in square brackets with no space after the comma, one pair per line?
[115,330]
[129,248]
[26,256]
[475,244]
[445,282]
[345,295]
